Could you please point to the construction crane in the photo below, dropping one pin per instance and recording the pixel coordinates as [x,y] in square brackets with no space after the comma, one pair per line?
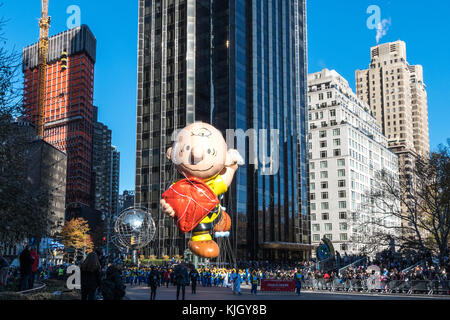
[44,26]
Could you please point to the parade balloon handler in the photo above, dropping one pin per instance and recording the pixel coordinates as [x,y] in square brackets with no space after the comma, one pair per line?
[201,155]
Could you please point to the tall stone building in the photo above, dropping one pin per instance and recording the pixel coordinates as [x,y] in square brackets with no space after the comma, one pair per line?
[396,94]
[347,148]
[238,65]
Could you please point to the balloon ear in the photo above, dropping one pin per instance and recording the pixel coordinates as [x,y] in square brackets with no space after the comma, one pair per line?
[169,153]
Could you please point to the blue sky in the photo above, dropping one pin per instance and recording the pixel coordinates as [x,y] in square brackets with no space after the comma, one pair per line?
[338,38]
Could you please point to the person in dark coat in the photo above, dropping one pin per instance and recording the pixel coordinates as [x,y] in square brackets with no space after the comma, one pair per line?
[181,278]
[193,274]
[113,287]
[26,265]
[153,282]
[90,276]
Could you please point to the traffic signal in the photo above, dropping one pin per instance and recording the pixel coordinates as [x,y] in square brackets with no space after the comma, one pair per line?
[132,241]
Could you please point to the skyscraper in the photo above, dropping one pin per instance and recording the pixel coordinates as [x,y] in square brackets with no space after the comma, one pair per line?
[396,94]
[102,166]
[239,65]
[69,104]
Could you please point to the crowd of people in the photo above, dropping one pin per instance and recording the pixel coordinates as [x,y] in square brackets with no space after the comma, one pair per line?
[99,278]
[207,276]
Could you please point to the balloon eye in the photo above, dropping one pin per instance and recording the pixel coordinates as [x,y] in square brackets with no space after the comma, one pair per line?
[188,147]
[209,151]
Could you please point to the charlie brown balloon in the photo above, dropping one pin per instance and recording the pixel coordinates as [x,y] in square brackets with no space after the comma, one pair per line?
[201,155]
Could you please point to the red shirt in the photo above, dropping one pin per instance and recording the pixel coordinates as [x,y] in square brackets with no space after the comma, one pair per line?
[35,262]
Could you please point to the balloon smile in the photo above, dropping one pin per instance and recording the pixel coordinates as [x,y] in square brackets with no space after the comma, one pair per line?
[196,170]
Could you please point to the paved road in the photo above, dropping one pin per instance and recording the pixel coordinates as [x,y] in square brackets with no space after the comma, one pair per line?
[163,293]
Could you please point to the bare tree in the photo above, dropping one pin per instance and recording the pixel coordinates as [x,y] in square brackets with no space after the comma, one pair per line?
[419,198]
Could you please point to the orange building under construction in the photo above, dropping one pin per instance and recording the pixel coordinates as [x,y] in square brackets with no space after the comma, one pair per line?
[68,110]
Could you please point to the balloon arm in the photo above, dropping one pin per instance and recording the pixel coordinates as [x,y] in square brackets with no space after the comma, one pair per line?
[228,175]
[230,170]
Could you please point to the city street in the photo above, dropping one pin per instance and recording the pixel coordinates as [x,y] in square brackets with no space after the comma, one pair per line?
[163,293]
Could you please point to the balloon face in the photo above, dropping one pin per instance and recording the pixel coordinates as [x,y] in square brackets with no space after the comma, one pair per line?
[199,150]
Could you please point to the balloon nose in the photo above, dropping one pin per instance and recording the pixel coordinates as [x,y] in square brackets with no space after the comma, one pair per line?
[196,155]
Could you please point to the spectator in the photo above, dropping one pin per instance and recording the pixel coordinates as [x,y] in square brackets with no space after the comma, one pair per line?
[181,277]
[26,265]
[90,276]
[4,269]
[193,274]
[153,281]
[112,287]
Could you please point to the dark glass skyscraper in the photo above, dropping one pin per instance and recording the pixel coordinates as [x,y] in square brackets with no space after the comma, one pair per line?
[239,65]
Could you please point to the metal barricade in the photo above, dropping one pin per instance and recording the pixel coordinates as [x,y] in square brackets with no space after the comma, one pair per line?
[374,285]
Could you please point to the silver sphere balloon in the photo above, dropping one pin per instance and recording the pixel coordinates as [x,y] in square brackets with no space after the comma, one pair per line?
[133,229]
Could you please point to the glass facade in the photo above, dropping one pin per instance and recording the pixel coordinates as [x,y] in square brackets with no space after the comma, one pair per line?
[239,65]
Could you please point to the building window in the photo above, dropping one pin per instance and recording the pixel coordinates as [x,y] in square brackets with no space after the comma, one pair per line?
[323,164]
[342,204]
[313,217]
[337,152]
[329,236]
[316,227]
[316,237]
[341,173]
[323,134]
[343,215]
[312,196]
[324,185]
[313,206]
[312,186]
[328,226]
[323,144]
[324,174]
[336,142]
[341,183]
[336,132]
[311,165]
[324,195]
[341,194]
[333,113]
[323,154]
[312,175]
[343,237]
[325,216]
